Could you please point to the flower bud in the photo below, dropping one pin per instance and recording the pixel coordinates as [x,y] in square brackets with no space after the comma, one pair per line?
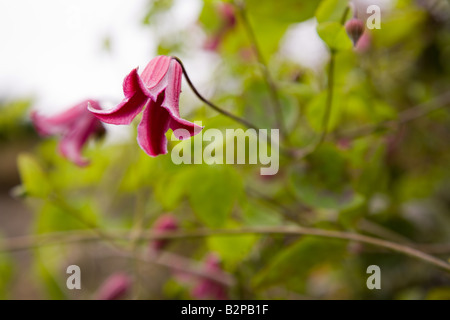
[207,288]
[364,42]
[164,223]
[355,29]
[115,287]
[226,12]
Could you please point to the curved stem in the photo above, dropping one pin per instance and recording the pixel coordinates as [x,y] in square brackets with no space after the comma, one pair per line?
[218,109]
[329,102]
[284,151]
[23,243]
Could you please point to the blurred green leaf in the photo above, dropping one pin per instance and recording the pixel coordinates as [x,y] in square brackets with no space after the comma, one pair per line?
[232,249]
[213,191]
[34,179]
[52,285]
[12,118]
[53,218]
[334,35]
[292,265]
[6,274]
[331,10]
[171,189]
[316,108]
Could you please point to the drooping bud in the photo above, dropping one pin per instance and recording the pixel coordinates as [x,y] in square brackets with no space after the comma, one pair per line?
[164,223]
[354,28]
[115,287]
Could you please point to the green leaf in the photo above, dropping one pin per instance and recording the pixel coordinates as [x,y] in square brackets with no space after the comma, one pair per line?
[6,273]
[34,179]
[331,10]
[232,249]
[213,191]
[47,276]
[334,35]
[257,215]
[271,20]
[324,184]
[171,189]
[316,109]
[293,264]
[53,218]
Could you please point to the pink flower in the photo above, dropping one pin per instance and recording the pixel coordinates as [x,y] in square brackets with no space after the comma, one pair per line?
[354,28]
[75,126]
[209,289]
[115,287]
[364,43]
[164,223]
[158,88]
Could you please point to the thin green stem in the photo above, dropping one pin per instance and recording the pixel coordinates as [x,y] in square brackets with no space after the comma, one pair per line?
[328,108]
[329,101]
[23,243]
[284,151]
[210,104]
[273,90]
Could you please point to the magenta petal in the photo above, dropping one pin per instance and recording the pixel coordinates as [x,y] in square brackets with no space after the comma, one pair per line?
[155,71]
[173,89]
[73,141]
[125,112]
[152,129]
[115,287]
[133,83]
[178,123]
[61,122]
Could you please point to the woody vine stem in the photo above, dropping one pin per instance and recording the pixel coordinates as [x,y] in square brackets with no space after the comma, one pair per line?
[23,243]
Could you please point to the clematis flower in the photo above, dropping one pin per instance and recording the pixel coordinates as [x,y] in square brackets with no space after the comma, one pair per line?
[158,90]
[75,126]
[115,287]
[165,222]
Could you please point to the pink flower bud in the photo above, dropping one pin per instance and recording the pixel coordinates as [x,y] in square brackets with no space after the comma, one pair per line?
[226,11]
[164,223]
[115,287]
[355,29]
[207,288]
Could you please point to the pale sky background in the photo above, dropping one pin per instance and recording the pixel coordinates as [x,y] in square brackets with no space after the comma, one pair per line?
[52,50]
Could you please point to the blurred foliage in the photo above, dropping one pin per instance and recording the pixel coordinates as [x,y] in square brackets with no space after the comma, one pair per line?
[391,183]
[13,122]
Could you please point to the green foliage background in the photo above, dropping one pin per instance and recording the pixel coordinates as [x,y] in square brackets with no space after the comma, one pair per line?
[374,174]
